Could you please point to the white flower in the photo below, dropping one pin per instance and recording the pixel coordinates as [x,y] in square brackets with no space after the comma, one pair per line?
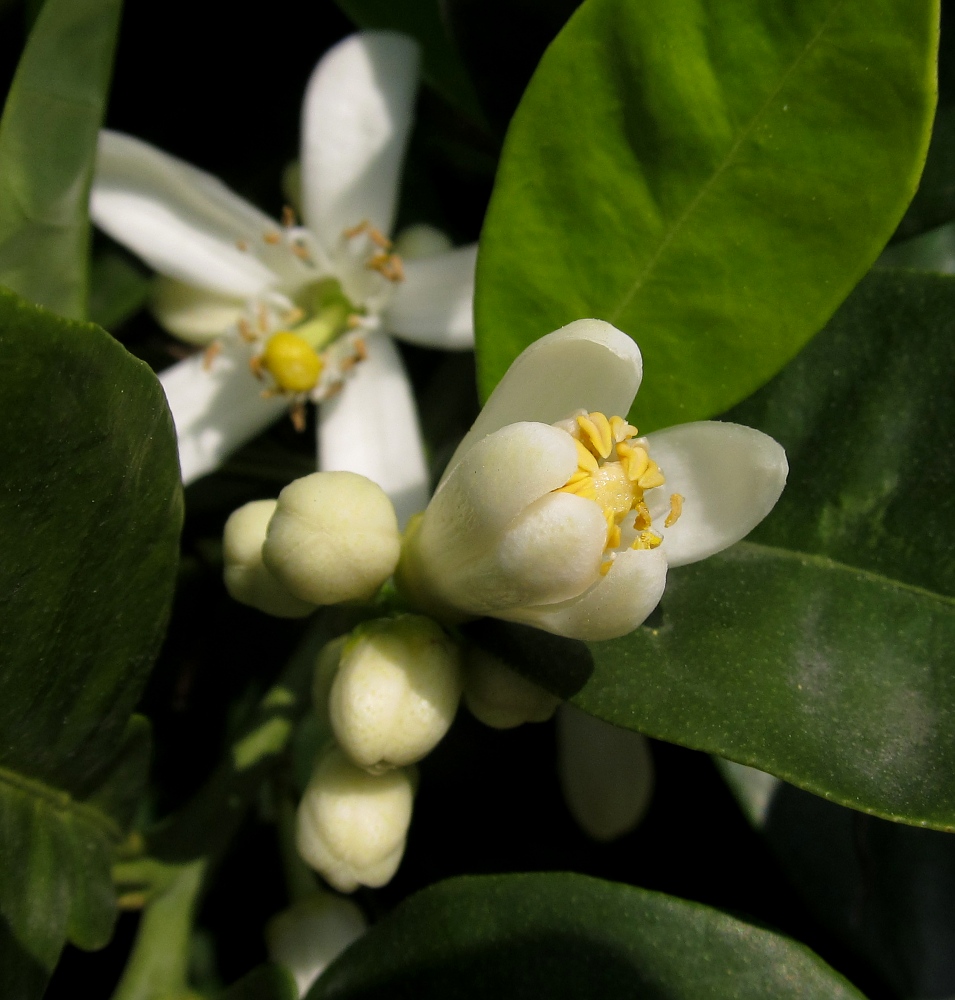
[552,512]
[332,289]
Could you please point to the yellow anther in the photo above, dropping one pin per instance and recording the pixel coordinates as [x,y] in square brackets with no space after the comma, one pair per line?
[292,362]
[646,540]
[676,509]
[652,478]
[272,238]
[354,231]
[621,429]
[388,265]
[596,433]
[613,537]
[245,330]
[584,458]
[642,520]
[605,567]
[635,460]
[288,216]
[581,485]
[242,246]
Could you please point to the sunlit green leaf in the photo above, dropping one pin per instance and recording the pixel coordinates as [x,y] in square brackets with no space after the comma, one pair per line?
[712,178]
[89,517]
[820,650]
[568,936]
[424,21]
[47,147]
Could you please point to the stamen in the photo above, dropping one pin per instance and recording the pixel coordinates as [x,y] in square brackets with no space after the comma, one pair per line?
[652,478]
[242,245]
[585,459]
[301,251]
[297,415]
[294,315]
[646,540]
[272,238]
[361,349]
[635,461]
[354,231]
[378,238]
[605,567]
[288,216]
[388,265]
[210,354]
[642,520]
[596,433]
[263,317]
[245,330]
[621,429]
[676,509]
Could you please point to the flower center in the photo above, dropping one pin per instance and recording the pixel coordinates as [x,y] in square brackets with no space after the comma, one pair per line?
[614,469]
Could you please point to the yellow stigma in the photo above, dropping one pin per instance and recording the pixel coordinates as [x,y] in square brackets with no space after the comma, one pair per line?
[292,362]
[614,469]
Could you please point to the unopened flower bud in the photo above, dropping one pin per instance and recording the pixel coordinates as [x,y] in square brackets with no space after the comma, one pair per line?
[501,697]
[308,936]
[334,537]
[396,691]
[351,825]
[246,577]
[606,773]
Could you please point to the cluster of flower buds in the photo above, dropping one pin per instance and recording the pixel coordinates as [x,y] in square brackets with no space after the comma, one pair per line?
[551,514]
[387,692]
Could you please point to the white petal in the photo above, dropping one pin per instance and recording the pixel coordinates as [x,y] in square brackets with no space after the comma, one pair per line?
[421,240]
[615,605]
[730,477]
[606,773]
[356,120]
[371,427]
[181,221]
[586,365]
[434,305]
[216,411]
[193,314]
[550,553]
[500,476]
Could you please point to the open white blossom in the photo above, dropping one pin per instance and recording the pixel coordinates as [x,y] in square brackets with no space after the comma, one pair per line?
[311,305]
[555,513]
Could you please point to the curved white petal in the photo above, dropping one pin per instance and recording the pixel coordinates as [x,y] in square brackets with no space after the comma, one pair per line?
[606,773]
[434,305]
[586,365]
[615,605]
[730,477]
[216,411]
[356,120]
[181,221]
[550,553]
[193,314]
[371,427]
[421,240]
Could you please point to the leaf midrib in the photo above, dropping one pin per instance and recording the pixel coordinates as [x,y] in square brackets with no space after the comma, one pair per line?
[61,802]
[671,234]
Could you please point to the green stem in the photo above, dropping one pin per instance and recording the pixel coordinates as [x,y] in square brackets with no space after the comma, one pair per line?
[159,965]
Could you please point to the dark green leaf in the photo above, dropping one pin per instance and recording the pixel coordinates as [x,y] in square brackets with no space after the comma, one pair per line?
[47,149]
[118,289]
[424,21]
[267,982]
[561,935]
[712,178]
[90,509]
[821,651]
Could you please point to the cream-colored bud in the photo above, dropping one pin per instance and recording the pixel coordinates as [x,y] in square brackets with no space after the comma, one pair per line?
[334,537]
[351,825]
[606,773]
[421,241]
[246,577]
[396,691]
[308,936]
[499,696]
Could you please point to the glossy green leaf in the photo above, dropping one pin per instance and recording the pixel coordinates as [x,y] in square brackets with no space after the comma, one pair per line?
[90,510]
[47,147]
[883,889]
[562,935]
[118,289]
[821,649]
[712,178]
[441,65]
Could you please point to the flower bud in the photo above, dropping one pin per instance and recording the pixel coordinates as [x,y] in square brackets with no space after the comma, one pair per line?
[351,825]
[606,773]
[308,936]
[396,691]
[246,578]
[334,537]
[501,697]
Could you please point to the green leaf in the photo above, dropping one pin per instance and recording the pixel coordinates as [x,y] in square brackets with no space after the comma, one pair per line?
[118,289]
[267,982]
[711,178]
[883,889]
[561,935]
[441,65]
[90,510]
[820,650]
[47,149]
